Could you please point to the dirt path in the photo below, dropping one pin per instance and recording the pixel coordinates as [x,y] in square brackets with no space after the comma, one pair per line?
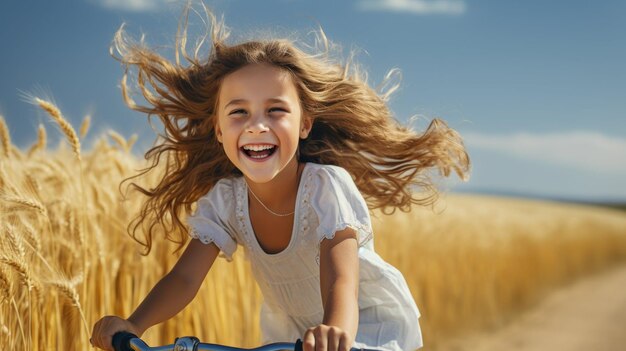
[589,314]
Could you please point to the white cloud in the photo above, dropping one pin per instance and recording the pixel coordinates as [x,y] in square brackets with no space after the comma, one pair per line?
[134,5]
[421,7]
[589,151]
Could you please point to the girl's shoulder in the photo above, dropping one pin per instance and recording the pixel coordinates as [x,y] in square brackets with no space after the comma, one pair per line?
[329,171]
[226,183]
[224,188]
[335,180]
[337,203]
[335,177]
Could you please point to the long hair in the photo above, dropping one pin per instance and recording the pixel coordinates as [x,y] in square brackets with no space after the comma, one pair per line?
[352,124]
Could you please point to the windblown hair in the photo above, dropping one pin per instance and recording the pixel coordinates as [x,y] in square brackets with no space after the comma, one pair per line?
[352,125]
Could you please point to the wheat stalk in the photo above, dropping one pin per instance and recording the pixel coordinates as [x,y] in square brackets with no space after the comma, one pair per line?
[5,180]
[32,235]
[69,245]
[66,127]
[7,287]
[41,141]
[131,141]
[32,184]
[68,289]
[84,127]
[6,137]
[73,227]
[102,145]
[4,330]
[118,139]
[70,134]
[17,153]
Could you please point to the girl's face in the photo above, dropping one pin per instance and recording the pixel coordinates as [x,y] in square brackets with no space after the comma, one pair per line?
[260,121]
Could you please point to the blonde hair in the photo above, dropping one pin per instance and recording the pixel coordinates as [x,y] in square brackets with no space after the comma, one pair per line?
[352,125]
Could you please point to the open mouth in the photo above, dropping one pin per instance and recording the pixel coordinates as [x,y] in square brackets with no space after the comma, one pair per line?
[259,153]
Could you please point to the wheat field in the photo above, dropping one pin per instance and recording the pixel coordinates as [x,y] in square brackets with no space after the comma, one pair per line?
[66,260]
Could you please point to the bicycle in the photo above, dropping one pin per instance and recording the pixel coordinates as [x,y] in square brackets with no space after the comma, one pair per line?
[124,341]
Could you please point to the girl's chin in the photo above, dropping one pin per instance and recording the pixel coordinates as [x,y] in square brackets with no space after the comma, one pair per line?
[264,171]
[259,170]
[259,176]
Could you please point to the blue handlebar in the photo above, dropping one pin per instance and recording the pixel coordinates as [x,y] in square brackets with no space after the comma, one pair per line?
[124,341]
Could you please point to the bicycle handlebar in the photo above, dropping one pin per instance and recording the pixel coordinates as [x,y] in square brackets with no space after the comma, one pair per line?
[125,341]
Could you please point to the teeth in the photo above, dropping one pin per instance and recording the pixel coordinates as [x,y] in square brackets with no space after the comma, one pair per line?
[258,147]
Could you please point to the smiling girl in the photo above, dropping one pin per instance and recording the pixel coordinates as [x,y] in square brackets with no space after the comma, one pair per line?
[276,148]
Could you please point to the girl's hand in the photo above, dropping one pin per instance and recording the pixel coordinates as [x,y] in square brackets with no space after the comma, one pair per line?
[106,327]
[325,337]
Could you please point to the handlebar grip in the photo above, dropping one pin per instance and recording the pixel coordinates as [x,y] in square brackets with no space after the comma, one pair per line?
[298,346]
[121,341]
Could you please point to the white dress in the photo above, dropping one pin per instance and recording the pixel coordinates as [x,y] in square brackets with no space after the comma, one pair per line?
[327,201]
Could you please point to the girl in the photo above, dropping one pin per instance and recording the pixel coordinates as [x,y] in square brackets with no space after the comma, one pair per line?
[276,146]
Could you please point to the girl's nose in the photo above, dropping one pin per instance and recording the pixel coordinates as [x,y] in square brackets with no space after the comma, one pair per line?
[257,124]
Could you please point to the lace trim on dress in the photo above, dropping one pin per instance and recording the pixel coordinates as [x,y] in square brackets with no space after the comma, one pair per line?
[304,209]
[241,219]
[206,239]
[359,227]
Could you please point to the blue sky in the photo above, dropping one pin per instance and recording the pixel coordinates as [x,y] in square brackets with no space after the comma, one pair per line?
[536,88]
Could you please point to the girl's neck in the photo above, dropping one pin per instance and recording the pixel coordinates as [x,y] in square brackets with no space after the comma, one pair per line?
[278,193]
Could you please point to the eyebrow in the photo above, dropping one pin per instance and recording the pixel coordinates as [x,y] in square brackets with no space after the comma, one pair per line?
[240,101]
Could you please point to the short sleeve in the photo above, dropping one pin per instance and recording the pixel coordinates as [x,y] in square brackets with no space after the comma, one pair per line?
[339,204]
[210,221]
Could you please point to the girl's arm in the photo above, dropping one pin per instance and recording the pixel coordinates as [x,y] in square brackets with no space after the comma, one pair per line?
[168,297]
[178,287]
[339,285]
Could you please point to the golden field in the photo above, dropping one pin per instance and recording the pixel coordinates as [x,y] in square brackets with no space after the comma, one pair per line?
[66,260]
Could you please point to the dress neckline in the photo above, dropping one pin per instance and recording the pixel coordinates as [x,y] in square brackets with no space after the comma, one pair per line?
[296,218]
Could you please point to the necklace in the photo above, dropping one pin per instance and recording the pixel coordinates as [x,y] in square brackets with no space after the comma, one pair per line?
[270,211]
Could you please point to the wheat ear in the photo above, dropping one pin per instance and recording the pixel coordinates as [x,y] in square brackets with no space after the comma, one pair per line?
[74,227]
[84,127]
[6,285]
[15,239]
[3,180]
[32,236]
[41,141]
[19,265]
[131,141]
[26,203]
[32,184]
[66,127]
[118,139]
[67,288]
[6,137]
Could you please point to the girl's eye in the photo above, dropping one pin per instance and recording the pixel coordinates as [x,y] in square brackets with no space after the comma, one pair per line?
[242,111]
[279,109]
[236,112]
